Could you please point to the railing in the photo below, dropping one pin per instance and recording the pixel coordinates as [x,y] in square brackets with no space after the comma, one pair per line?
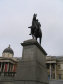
[11,74]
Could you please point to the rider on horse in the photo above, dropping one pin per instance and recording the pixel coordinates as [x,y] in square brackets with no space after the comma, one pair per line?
[35,23]
[35,28]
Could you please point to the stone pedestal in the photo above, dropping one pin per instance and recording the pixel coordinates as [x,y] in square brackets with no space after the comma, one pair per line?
[32,69]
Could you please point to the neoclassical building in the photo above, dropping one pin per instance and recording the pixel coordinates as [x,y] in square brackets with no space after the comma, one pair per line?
[8,63]
[54,66]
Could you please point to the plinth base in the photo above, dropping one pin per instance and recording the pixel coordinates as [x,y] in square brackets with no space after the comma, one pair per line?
[31,69]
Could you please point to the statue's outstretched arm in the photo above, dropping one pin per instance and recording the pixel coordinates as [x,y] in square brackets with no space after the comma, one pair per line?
[30,27]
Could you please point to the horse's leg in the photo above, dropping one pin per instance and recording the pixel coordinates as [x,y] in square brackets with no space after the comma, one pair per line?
[40,40]
[33,36]
[36,38]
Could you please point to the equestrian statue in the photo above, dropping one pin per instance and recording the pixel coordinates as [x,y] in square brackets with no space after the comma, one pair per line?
[36,29]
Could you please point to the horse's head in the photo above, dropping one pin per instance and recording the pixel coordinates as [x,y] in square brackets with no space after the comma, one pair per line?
[34,16]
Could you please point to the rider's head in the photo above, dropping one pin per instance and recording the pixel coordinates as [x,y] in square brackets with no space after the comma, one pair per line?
[35,15]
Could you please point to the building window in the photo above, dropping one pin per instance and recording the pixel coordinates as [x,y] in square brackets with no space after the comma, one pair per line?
[48,77]
[59,67]
[47,65]
[53,66]
[53,76]
[59,76]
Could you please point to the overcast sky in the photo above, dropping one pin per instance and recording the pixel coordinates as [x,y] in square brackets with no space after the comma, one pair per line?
[16,17]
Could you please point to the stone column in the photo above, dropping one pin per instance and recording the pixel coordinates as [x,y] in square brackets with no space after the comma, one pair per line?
[4,67]
[1,66]
[8,68]
[12,67]
[55,71]
[50,71]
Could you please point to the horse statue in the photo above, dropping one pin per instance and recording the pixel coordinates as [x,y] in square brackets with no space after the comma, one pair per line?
[35,28]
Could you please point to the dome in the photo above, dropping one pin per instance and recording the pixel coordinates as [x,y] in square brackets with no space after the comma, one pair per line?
[8,50]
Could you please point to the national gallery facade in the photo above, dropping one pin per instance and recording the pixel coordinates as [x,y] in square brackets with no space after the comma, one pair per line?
[54,66]
[8,63]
